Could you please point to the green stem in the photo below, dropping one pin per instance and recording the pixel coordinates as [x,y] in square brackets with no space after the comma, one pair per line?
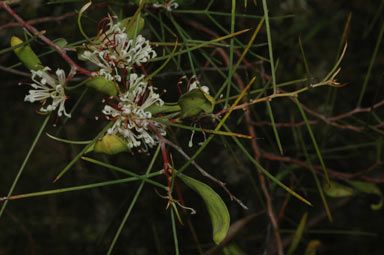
[269,45]
[230,71]
[132,203]
[174,231]
[77,157]
[88,186]
[123,171]
[373,58]
[24,163]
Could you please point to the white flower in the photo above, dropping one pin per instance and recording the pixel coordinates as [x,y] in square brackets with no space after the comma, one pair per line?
[170,6]
[196,84]
[113,49]
[45,88]
[142,52]
[132,121]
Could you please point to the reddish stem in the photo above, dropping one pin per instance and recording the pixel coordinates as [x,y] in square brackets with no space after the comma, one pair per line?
[34,31]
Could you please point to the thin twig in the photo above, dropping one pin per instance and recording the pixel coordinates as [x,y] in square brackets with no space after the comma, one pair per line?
[204,173]
[333,173]
[39,20]
[9,70]
[34,31]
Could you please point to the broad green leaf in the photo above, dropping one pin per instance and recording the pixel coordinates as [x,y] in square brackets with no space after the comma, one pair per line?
[369,188]
[194,102]
[216,207]
[26,54]
[103,85]
[334,189]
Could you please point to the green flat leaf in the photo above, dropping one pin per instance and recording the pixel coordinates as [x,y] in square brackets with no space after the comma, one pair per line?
[369,188]
[216,207]
[334,189]
[194,102]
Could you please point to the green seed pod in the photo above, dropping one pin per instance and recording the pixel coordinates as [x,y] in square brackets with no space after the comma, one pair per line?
[103,85]
[194,102]
[217,209]
[26,55]
[61,42]
[335,189]
[130,28]
[111,145]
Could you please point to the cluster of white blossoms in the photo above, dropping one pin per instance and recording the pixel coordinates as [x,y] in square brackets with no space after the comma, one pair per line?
[113,50]
[169,6]
[48,88]
[131,119]
[115,54]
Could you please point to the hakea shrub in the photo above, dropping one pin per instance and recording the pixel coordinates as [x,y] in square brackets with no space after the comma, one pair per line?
[138,118]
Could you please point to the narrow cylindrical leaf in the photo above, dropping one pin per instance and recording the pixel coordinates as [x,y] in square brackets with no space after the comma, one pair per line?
[298,234]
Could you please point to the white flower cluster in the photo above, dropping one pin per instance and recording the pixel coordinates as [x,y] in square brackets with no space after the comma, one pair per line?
[132,121]
[113,49]
[169,6]
[45,88]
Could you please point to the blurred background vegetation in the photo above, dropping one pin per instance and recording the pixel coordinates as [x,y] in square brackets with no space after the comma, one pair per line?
[84,222]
